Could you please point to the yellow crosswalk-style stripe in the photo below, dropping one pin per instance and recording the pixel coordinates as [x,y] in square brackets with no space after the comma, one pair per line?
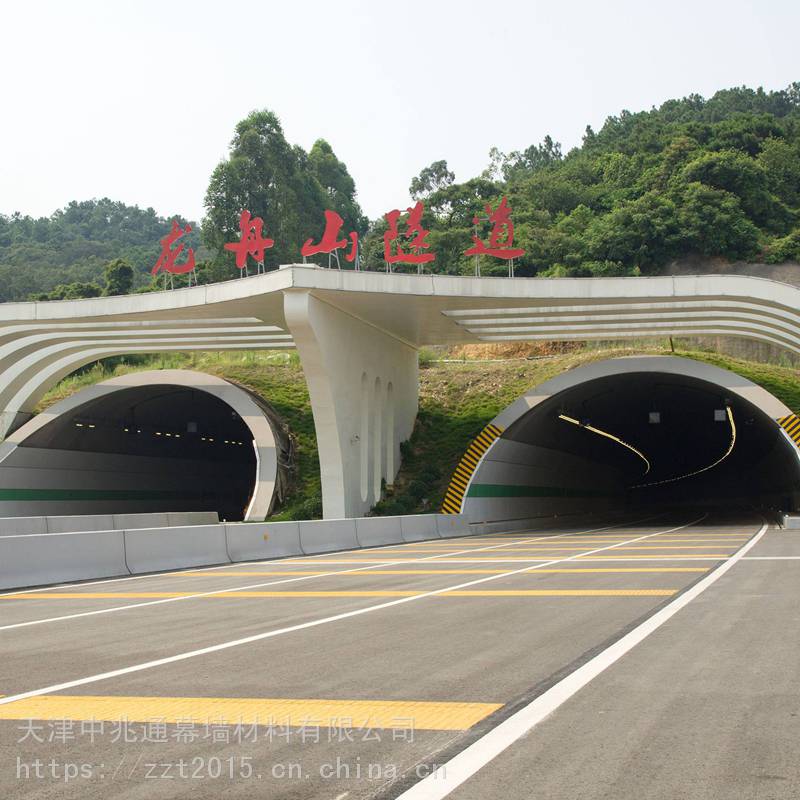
[289,594]
[564,570]
[291,713]
[454,496]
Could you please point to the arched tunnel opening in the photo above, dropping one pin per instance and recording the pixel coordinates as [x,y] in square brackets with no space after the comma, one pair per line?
[637,440]
[138,449]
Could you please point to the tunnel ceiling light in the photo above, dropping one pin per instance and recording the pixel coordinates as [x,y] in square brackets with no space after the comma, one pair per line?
[607,435]
[731,445]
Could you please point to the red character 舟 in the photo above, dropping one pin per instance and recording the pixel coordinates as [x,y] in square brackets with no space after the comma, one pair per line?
[167,259]
[251,243]
[501,239]
[414,231]
[329,242]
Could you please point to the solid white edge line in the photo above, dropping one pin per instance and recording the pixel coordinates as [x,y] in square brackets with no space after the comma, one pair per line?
[58,687]
[450,775]
[211,592]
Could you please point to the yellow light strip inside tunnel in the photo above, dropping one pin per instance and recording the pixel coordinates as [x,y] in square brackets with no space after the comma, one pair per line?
[704,469]
[607,435]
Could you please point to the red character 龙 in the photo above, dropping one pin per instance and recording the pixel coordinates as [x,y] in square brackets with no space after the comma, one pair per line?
[167,259]
[501,239]
[414,231]
[251,243]
[329,242]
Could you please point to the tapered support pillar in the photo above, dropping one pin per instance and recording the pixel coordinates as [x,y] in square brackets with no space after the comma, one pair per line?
[363,384]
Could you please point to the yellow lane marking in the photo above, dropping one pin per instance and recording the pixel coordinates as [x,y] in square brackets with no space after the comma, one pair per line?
[666,555]
[340,593]
[674,547]
[561,593]
[397,714]
[434,572]
[626,547]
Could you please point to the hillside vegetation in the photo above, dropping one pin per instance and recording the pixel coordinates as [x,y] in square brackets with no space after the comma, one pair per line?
[457,399]
[715,178]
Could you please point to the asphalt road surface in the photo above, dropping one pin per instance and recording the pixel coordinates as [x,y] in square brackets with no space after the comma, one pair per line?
[653,658]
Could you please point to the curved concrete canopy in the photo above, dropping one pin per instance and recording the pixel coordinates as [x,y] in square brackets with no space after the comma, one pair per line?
[233,396]
[347,324]
[498,452]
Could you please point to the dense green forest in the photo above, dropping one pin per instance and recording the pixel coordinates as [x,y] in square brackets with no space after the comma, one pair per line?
[717,177]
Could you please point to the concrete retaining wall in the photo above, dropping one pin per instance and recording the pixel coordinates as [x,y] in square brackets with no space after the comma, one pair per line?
[39,558]
[326,535]
[451,525]
[103,522]
[376,531]
[253,541]
[418,527]
[155,549]
[35,559]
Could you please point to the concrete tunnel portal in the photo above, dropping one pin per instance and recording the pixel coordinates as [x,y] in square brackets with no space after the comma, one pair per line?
[631,433]
[166,440]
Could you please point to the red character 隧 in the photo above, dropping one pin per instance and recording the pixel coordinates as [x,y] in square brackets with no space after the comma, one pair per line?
[251,243]
[501,239]
[413,229]
[329,242]
[167,259]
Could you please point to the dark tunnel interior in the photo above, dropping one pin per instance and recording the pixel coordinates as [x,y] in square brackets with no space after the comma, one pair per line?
[679,441]
[183,449]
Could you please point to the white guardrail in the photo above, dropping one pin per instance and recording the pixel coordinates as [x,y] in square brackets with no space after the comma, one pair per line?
[37,557]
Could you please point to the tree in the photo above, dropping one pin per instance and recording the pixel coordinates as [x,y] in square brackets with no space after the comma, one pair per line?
[118,276]
[712,223]
[743,176]
[431,179]
[281,183]
[338,185]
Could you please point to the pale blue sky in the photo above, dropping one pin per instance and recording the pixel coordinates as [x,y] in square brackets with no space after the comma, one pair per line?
[137,101]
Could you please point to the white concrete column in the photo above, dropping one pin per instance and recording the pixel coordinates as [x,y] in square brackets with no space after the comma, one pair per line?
[348,363]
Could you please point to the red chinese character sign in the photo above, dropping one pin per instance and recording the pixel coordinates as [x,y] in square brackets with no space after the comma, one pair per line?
[414,232]
[251,243]
[330,243]
[501,239]
[168,260]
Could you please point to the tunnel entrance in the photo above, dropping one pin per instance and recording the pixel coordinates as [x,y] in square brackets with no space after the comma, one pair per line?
[637,438]
[174,441]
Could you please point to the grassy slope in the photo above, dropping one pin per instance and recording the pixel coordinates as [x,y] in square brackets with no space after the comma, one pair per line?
[456,401]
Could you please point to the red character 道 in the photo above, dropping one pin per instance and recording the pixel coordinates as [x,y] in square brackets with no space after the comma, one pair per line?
[168,257]
[251,243]
[413,229]
[329,243]
[501,239]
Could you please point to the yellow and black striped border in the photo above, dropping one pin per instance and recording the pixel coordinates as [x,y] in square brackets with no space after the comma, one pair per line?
[791,425]
[454,497]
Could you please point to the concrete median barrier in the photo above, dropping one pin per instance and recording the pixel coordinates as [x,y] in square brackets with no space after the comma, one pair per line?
[155,519]
[35,559]
[251,541]
[156,549]
[67,524]
[326,535]
[452,525]
[16,526]
[175,518]
[377,531]
[418,527]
